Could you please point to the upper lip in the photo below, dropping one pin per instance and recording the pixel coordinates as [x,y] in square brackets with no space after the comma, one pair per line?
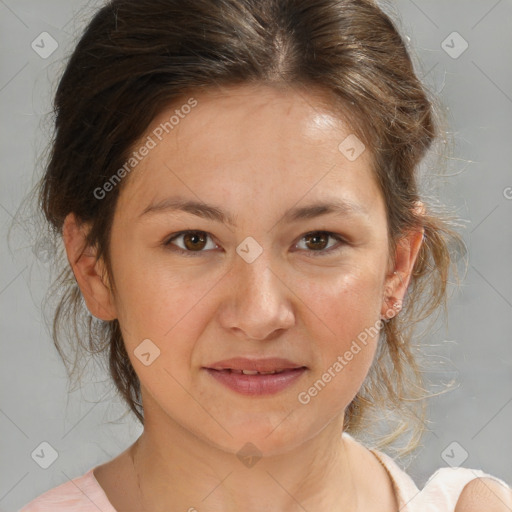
[259,365]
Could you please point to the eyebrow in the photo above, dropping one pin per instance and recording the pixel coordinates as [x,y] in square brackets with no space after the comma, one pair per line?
[215,213]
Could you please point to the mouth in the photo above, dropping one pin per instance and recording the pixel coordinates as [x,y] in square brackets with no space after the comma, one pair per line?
[256,377]
[249,366]
[254,372]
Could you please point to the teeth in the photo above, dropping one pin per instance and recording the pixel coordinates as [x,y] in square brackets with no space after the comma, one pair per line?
[252,372]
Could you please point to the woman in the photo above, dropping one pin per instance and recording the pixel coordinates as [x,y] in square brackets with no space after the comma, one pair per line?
[235,186]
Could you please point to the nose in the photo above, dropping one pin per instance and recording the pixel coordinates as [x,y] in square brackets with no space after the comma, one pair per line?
[259,303]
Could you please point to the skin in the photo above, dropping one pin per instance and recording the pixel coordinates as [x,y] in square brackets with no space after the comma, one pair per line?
[255,152]
[484,494]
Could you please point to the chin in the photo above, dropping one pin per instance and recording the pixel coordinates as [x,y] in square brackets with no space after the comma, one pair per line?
[264,438]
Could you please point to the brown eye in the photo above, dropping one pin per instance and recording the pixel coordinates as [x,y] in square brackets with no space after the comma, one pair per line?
[316,243]
[192,242]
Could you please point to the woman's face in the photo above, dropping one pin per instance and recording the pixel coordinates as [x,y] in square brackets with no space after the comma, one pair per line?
[267,285]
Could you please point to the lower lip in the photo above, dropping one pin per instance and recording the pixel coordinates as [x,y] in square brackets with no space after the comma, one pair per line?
[256,385]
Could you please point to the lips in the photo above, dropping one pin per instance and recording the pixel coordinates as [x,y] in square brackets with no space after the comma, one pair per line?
[257,384]
[248,366]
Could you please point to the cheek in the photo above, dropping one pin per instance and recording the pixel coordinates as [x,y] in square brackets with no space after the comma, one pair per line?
[345,304]
[170,308]
[166,309]
[152,297]
[345,329]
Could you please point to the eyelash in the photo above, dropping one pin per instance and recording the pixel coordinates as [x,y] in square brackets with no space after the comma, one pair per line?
[315,254]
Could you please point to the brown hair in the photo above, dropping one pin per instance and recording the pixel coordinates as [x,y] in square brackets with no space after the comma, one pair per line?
[137,57]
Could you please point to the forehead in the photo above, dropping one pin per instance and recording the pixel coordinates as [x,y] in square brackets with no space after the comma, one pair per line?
[250,136]
[257,110]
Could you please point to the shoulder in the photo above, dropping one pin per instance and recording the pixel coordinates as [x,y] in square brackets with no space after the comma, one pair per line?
[458,489]
[64,497]
[76,495]
[485,493]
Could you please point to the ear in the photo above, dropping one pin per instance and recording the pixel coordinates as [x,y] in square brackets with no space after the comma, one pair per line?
[397,281]
[89,272]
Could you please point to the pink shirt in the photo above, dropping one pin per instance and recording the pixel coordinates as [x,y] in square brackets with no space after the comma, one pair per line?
[440,493]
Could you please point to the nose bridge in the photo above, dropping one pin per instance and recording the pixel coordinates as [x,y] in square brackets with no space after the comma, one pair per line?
[253,270]
[260,304]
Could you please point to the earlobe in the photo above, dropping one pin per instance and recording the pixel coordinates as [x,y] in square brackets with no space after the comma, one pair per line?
[89,272]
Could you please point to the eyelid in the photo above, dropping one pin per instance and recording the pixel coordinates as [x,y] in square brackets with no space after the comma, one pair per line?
[331,250]
[168,242]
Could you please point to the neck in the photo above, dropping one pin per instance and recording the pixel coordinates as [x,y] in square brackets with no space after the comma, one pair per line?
[178,471]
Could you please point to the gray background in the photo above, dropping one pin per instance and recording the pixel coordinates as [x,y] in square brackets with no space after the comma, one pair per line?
[85,425]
